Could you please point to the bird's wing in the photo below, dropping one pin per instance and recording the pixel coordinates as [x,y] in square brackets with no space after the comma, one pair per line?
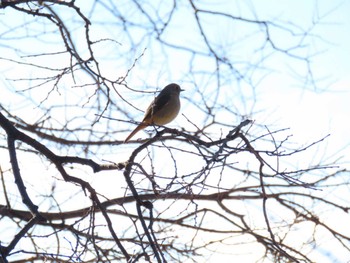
[158,104]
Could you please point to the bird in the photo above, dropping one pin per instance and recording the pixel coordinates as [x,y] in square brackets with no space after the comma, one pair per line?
[163,109]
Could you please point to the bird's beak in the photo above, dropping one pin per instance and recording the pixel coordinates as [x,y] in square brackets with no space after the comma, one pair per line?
[181,90]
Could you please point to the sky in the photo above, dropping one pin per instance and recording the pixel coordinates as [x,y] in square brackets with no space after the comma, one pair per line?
[310,113]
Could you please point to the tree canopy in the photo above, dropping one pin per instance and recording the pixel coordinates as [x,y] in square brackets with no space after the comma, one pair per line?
[223,181]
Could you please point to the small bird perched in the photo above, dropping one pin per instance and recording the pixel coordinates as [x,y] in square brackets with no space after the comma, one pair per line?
[162,110]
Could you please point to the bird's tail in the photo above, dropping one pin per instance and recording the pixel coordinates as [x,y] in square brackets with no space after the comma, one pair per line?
[140,127]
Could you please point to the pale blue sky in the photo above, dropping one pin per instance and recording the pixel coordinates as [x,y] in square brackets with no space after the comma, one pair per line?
[281,99]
